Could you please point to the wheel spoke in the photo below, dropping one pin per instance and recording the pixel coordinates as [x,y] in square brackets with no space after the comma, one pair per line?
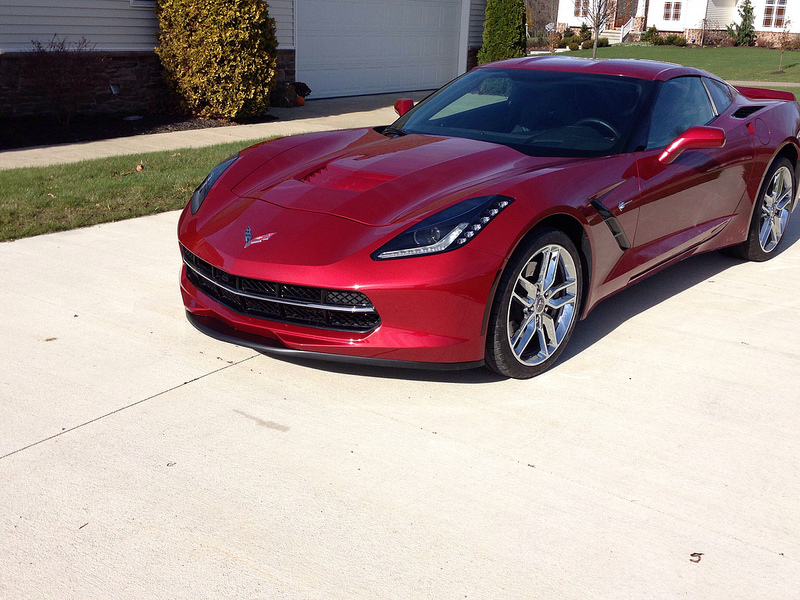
[556,301]
[543,264]
[522,337]
[552,269]
[549,327]
[526,301]
[764,234]
[544,349]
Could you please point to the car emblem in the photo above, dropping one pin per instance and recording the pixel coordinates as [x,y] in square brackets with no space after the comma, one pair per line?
[250,240]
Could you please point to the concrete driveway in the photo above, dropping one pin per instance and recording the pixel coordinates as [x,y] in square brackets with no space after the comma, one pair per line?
[141,459]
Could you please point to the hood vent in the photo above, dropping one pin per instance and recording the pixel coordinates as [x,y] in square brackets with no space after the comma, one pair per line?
[339,178]
[746,111]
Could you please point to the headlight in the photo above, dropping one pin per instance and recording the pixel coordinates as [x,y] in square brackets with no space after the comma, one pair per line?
[202,190]
[447,230]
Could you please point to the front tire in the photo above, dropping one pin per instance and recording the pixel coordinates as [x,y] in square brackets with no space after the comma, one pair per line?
[536,306]
[770,214]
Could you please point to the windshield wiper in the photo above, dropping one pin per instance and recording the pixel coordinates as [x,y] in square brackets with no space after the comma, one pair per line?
[393,131]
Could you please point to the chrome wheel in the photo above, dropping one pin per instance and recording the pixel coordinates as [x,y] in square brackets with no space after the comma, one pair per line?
[543,305]
[775,209]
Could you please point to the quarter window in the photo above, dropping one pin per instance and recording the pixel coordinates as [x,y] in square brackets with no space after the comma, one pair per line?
[720,94]
[682,103]
[775,13]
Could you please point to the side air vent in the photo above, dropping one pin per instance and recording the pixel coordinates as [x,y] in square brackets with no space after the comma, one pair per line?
[746,111]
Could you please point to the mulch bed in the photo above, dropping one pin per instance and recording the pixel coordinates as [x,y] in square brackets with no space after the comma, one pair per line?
[38,131]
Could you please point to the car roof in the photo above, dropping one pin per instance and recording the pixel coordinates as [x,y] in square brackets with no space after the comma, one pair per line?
[628,67]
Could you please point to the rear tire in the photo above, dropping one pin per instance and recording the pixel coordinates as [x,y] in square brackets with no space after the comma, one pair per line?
[770,214]
[536,307]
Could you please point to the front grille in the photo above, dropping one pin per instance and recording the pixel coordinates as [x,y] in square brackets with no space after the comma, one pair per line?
[341,310]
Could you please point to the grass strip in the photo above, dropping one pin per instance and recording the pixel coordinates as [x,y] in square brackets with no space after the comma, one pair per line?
[36,200]
[751,64]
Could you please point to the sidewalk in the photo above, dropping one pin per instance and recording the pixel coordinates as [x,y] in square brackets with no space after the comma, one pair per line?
[316,115]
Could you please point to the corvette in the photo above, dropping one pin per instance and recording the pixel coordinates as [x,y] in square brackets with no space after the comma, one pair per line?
[491,217]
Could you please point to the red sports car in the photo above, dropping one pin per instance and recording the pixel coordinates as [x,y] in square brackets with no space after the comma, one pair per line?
[491,217]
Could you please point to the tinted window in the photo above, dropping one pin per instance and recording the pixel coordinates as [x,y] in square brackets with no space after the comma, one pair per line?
[720,93]
[682,103]
[541,113]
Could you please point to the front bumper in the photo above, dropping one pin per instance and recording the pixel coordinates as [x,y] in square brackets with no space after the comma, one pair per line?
[431,318]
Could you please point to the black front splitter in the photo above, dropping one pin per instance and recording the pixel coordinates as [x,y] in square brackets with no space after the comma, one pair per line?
[218,330]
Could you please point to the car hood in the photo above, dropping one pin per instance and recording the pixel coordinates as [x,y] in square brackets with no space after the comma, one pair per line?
[366,177]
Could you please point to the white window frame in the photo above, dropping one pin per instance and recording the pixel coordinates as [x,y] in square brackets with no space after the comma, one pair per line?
[775,5]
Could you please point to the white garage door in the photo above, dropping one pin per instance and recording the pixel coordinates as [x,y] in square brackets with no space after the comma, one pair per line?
[351,47]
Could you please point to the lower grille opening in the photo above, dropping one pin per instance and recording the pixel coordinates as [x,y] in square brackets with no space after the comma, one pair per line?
[339,310]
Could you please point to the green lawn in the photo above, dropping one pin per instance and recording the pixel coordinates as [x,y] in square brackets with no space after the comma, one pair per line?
[44,199]
[751,64]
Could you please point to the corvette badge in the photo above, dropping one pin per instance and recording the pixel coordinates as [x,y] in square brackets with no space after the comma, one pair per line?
[249,239]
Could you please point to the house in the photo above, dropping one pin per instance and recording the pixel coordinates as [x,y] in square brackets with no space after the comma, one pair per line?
[687,17]
[337,47]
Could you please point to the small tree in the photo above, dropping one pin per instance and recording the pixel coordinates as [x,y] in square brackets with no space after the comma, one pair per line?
[598,14]
[220,56]
[745,32]
[503,31]
[785,42]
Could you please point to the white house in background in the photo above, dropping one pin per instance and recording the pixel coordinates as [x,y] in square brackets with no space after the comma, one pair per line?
[682,16]
[337,47]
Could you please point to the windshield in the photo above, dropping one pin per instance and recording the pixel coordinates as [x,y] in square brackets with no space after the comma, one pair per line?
[540,113]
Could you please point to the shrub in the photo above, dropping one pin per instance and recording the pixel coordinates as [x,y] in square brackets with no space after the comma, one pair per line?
[503,31]
[574,46]
[680,41]
[651,35]
[588,43]
[585,33]
[744,32]
[220,56]
[567,41]
[602,42]
[568,33]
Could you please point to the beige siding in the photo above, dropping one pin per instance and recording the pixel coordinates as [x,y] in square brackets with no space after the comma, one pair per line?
[721,12]
[107,24]
[477,15]
[283,13]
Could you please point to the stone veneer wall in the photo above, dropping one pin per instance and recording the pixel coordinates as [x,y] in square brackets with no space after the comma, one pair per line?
[136,77]
[286,65]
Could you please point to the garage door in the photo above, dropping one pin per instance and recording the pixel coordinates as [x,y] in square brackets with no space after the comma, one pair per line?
[351,47]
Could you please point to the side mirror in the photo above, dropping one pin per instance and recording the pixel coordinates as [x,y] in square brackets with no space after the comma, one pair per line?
[694,138]
[403,105]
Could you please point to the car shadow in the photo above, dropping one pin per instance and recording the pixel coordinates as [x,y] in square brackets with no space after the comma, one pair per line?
[614,311]
[603,320]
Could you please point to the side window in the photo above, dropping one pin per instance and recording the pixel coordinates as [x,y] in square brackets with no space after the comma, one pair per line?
[720,93]
[682,103]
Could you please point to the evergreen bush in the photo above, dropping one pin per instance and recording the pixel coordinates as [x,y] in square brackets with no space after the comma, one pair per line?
[745,32]
[503,31]
[220,56]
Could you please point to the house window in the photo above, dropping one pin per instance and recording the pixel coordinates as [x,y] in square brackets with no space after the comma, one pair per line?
[775,13]
[582,8]
[672,11]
